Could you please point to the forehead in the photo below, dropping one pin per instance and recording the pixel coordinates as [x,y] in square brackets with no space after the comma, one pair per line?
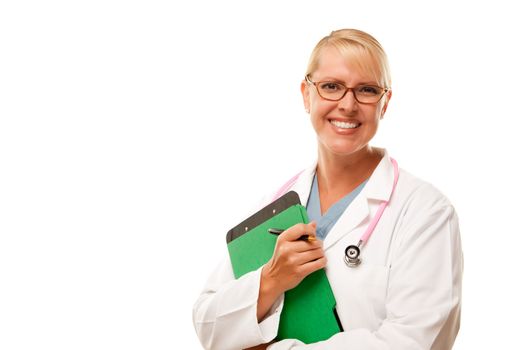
[347,64]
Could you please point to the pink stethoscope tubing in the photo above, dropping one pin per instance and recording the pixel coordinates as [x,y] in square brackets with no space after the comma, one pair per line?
[382,207]
[352,252]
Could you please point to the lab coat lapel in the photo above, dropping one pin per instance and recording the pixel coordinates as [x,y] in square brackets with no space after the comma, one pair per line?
[356,212]
[304,183]
[364,206]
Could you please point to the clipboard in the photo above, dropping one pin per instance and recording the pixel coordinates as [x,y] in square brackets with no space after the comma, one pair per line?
[309,313]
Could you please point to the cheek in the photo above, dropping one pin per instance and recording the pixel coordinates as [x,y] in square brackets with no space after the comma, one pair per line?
[314,120]
[381,107]
[318,111]
[375,112]
[321,108]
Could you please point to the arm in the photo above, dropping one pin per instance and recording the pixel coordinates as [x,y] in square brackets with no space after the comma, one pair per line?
[424,292]
[224,315]
[235,314]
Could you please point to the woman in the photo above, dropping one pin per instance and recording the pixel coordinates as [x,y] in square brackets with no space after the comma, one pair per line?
[405,292]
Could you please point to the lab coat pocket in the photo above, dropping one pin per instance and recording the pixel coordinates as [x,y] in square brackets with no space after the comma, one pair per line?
[361,295]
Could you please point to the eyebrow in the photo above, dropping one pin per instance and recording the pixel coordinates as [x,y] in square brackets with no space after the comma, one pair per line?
[332,79]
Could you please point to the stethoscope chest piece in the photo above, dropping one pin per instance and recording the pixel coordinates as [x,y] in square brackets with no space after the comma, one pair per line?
[352,253]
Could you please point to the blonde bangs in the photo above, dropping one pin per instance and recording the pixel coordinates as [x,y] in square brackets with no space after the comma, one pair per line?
[362,59]
[358,48]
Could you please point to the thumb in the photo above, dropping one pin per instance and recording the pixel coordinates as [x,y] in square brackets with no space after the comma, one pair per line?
[313,226]
[296,231]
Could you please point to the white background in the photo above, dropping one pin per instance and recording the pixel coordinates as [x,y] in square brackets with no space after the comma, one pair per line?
[134,134]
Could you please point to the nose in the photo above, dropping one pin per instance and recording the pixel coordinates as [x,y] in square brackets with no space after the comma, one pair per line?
[348,102]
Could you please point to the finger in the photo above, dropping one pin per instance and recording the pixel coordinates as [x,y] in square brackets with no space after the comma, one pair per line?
[296,231]
[312,266]
[308,256]
[303,246]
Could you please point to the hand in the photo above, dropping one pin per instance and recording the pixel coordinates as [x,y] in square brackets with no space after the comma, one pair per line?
[293,259]
[291,262]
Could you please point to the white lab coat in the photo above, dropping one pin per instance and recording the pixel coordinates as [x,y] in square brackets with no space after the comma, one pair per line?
[406,294]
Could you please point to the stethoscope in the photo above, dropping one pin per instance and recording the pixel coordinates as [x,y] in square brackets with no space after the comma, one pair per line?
[353,252]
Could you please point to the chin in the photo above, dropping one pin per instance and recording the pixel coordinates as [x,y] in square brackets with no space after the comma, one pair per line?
[344,149]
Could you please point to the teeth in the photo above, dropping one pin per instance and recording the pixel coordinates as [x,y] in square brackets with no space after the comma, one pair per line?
[344,125]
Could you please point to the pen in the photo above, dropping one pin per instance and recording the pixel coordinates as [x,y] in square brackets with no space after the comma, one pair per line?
[278,231]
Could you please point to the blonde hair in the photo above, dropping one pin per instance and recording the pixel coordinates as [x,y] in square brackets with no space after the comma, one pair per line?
[357,47]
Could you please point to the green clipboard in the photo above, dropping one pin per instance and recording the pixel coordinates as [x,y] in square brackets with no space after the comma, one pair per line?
[309,313]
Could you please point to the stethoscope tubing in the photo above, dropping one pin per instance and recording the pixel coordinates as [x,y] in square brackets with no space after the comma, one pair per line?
[353,252]
[375,220]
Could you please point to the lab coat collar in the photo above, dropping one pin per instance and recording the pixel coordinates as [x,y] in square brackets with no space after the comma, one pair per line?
[303,184]
[380,184]
[376,190]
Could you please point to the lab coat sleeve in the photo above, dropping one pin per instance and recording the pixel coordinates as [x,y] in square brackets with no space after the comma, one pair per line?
[424,289]
[225,314]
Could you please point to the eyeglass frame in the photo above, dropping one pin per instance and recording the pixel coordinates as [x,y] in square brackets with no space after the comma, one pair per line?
[314,83]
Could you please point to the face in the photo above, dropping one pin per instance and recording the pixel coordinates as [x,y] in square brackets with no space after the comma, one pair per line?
[343,127]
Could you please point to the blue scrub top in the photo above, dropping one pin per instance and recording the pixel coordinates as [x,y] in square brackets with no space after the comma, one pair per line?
[327,221]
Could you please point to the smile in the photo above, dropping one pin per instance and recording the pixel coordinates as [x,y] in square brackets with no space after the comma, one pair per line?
[345,125]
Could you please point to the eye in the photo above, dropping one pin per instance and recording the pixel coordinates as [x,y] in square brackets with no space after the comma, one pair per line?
[369,90]
[330,86]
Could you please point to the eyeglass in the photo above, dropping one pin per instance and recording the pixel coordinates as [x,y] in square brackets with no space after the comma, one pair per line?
[335,91]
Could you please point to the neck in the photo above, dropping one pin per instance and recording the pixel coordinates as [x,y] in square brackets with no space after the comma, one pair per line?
[342,173]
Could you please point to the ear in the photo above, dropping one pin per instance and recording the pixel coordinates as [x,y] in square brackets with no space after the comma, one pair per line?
[305,91]
[385,104]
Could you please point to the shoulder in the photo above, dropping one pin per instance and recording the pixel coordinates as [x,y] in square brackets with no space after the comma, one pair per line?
[299,181]
[422,206]
[414,190]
